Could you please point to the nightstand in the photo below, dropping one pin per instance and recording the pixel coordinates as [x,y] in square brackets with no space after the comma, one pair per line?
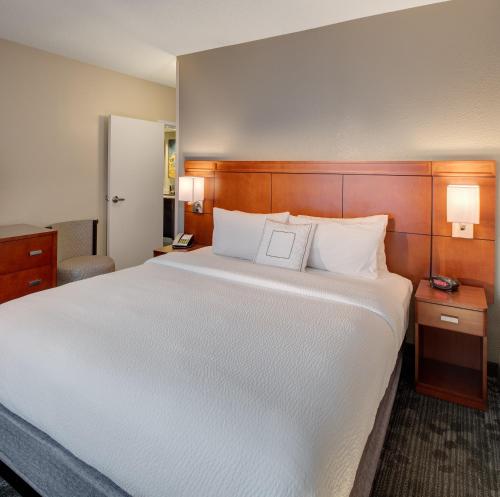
[168,248]
[451,344]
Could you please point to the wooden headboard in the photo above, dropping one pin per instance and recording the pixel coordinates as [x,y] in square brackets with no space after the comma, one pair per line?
[412,193]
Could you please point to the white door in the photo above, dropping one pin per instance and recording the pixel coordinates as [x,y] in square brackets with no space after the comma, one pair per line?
[135,190]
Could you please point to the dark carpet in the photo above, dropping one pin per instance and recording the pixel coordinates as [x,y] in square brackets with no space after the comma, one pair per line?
[6,490]
[438,449]
[433,449]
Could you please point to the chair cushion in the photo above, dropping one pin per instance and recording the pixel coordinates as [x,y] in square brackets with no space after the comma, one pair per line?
[85,266]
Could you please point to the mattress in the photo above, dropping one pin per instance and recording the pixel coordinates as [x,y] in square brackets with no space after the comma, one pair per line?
[200,375]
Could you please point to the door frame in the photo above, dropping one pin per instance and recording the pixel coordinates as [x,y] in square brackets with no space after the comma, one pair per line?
[172,125]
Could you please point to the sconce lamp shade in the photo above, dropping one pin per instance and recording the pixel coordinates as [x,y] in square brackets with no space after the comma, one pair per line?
[191,188]
[462,204]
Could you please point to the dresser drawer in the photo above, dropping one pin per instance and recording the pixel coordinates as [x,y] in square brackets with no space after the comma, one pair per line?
[16,285]
[451,318]
[26,253]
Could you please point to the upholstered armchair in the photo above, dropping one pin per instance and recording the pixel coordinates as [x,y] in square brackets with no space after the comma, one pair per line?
[76,252]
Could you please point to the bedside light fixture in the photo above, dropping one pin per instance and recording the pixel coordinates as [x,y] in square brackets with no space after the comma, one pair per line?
[192,190]
[462,207]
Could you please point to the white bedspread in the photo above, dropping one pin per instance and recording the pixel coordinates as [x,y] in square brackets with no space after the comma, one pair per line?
[196,375]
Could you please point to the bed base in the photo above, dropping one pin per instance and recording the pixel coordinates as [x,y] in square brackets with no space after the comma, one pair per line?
[367,469]
[46,466]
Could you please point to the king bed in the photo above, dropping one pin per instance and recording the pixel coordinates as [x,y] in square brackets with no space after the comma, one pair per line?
[200,374]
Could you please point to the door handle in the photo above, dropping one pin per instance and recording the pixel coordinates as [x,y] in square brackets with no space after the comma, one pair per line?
[117,199]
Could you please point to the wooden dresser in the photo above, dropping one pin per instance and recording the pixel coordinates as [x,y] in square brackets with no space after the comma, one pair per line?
[28,260]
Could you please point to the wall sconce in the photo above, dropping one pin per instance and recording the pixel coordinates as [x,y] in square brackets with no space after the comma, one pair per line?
[462,206]
[192,190]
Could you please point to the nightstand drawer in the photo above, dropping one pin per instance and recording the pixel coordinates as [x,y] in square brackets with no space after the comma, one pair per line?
[26,253]
[16,285]
[451,318]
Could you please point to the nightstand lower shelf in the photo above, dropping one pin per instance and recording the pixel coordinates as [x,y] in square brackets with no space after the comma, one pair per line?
[451,382]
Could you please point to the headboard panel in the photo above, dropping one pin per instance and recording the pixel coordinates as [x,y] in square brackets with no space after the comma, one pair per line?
[413,193]
[406,199]
[308,194]
[409,255]
[249,192]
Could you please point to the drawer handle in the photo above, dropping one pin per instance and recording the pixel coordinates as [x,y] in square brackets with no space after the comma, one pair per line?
[36,252]
[35,282]
[449,319]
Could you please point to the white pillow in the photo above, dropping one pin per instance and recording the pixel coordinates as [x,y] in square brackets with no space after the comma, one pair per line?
[285,245]
[238,234]
[380,219]
[345,248]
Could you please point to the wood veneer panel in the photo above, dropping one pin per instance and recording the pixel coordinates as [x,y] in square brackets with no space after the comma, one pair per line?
[309,194]
[469,297]
[486,227]
[414,168]
[452,383]
[16,284]
[249,192]
[464,168]
[18,231]
[15,252]
[199,164]
[469,322]
[452,348]
[406,199]
[470,261]
[201,225]
[200,172]
[409,255]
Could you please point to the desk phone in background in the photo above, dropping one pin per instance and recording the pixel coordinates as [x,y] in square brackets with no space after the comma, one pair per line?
[183,240]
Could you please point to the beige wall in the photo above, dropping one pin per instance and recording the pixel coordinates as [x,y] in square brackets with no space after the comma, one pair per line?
[417,84]
[53,134]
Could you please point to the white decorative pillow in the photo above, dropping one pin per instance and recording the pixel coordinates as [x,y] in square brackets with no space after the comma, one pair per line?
[238,234]
[345,248]
[380,219]
[285,245]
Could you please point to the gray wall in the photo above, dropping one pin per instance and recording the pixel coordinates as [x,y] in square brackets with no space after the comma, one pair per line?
[418,84]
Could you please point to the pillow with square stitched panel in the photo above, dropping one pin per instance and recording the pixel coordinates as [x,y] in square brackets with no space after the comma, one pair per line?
[285,245]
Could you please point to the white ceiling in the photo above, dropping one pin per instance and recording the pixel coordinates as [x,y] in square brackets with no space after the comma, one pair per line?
[142,37]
